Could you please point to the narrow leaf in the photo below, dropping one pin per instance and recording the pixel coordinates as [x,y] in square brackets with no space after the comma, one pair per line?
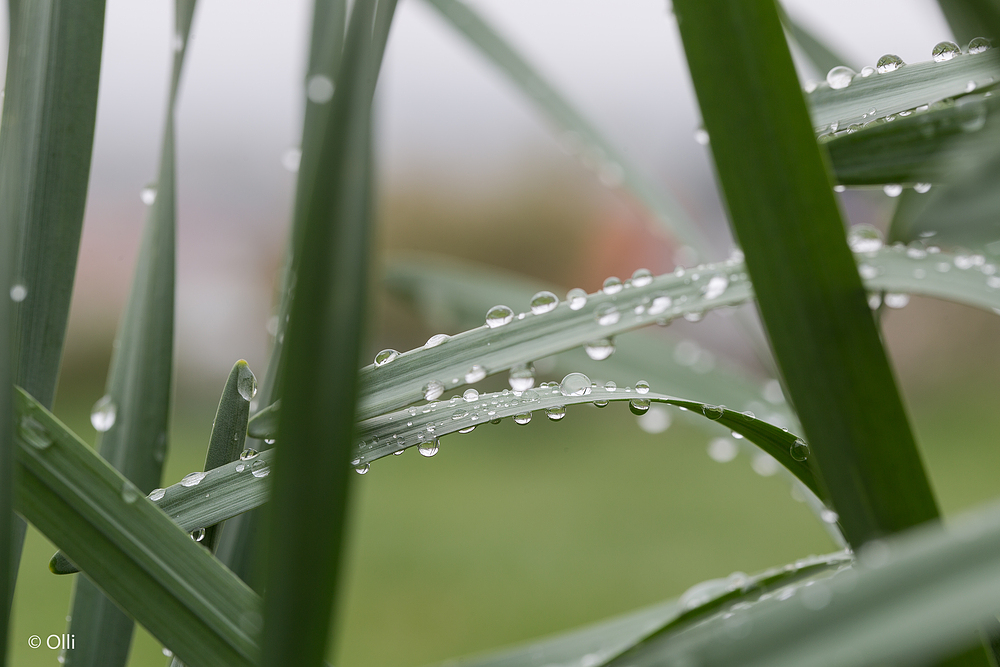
[133,416]
[810,296]
[320,358]
[578,134]
[129,548]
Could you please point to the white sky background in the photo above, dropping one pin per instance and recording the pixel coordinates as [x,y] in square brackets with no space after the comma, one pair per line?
[444,115]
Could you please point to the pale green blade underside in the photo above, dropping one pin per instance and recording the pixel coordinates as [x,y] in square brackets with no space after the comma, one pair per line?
[129,548]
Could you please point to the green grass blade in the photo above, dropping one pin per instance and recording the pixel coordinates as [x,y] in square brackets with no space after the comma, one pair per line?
[138,557]
[969,19]
[579,134]
[819,54]
[7,518]
[924,147]
[810,296]
[46,138]
[911,599]
[139,385]
[904,89]
[323,340]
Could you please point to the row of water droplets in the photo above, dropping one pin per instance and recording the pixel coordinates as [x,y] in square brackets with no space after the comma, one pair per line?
[922,255]
[619,306]
[841,76]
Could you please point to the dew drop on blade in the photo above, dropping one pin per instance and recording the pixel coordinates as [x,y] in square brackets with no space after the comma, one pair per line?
[18,293]
[864,238]
[599,350]
[612,285]
[943,51]
[839,77]
[497,316]
[556,413]
[522,377]
[363,469]
[799,450]
[103,414]
[156,494]
[575,384]
[260,468]
[433,390]
[888,63]
[384,357]
[979,45]
[428,445]
[470,395]
[639,406]
[193,479]
[246,383]
[642,277]
[248,454]
[642,387]
[577,298]
[198,535]
[713,412]
[435,340]
[544,302]
[475,374]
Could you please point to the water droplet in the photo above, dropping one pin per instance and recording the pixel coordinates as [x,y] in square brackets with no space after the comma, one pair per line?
[475,374]
[716,287]
[435,340]
[319,89]
[921,188]
[659,304]
[601,403]
[544,302]
[577,298]
[575,384]
[979,45]
[467,429]
[943,51]
[764,464]
[432,390]
[642,277]
[839,77]
[130,494]
[642,387]
[610,386]
[291,159]
[612,285]
[103,414]
[260,468]
[888,63]
[470,395]
[874,301]
[867,271]
[556,413]
[385,356]
[198,535]
[248,454]
[18,293]
[148,194]
[893,300]
[722,450]
[522,418]
[600,350]
[156,494]
[428,445]
[606,314]
[866,72]
[828,515]
[363,469]
[522,377]
[799,450]
[701,136]
[497,316]
[892,189]
[193,478]
[167,652]
[864,238]
[713,411]
[246,383]
[639,406]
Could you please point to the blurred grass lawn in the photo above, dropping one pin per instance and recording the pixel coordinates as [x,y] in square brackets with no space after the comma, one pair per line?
[512,532]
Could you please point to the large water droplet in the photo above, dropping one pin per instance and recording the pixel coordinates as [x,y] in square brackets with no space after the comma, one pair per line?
[943,51]
[799,450]
[864,238]
[260,468]
[470,395]
[639,406]
[544,302]
[577,298]
[103,414]
[362,469]
[716,287]
[612,285]
[246,383]
[248,453]
[198,534]
[575,384]
[556,413]
[522,377]
[428,445]
[979,45]
[522,418]
[599,350]
[642,277]
[894,300]
[722,450]
[475,374]
[157,494]
[319,89]
[385,356]
[435,340]
[193,478]
[642,387]
[432,390]
[839,77]
[497,316]
[713,411]
[606,314]
[18,293]
[892,189]
[921,188]
[888,63]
